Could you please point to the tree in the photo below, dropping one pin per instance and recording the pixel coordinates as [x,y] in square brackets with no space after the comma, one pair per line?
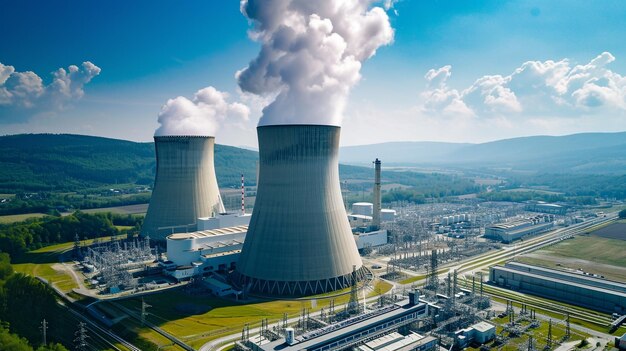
[12,342]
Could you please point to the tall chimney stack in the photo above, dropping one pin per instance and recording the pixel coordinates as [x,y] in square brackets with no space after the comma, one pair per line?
[377,204]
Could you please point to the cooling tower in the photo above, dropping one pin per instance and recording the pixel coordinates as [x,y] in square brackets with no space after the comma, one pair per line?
[185,187]
[299,241]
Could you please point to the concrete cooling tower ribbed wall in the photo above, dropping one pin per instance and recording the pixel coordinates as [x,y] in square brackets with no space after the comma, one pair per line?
[185,187]
[299,240]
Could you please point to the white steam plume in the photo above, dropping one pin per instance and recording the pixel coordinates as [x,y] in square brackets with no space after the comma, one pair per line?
[311,55]
[201,115]
[23,94]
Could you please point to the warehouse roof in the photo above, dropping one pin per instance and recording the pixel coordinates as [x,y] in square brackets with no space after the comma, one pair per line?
[561,281]
[208,233]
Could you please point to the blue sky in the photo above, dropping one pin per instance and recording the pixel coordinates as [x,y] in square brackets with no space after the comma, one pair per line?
[151,51]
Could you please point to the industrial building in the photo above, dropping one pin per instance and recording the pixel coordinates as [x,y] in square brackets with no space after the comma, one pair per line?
[223,220]
[479,333]
[351,332]
[366,217]
[363,208]
[204,251]
[299,240]
[370,238]
[508,232]
[185,186]
[398,342]
[620,342]
[577,289]
[545,207]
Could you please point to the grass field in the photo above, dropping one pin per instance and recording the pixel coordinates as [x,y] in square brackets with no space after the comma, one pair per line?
[590,252]
[44,263]
[198,319]
[128,209]
[19,217]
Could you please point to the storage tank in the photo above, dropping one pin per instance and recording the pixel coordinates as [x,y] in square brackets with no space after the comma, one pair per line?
[290,251]
[387,215]
[185,186]
[363,208]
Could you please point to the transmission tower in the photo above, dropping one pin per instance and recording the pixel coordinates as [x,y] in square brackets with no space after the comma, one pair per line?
[433,281]
[567,327]
[449,285]
[549,340]
[77,253]
[353,305]
[44,330]
[454,283]
[473,285]
[530,343]
[144,314]
[80,342]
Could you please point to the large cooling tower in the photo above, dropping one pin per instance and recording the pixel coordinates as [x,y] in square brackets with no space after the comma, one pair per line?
[185,187]
[299,240]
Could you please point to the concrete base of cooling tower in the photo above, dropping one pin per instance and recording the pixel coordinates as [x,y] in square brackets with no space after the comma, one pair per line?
[274,288]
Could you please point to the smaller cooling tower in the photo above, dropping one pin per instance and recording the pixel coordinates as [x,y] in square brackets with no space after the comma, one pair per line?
[299,240]
[185,187]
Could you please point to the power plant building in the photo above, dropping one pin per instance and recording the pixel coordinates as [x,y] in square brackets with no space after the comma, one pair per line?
[508,232]
[577,289]
[363,208]
[299,240]
[185,186]
[204,251]
[358,331]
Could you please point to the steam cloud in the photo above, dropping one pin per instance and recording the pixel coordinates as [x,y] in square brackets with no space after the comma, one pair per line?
[311,55]
[23,94]
[201,115]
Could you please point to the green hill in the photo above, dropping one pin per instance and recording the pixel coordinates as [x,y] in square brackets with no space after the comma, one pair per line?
[66,162]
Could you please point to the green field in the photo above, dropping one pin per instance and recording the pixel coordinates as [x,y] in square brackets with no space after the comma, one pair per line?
[45,263]
[128,209]
[19,217]
[591,253]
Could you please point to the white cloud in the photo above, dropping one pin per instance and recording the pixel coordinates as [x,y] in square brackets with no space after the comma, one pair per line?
[311,55]
[24,94]
[202,115]
[545,89]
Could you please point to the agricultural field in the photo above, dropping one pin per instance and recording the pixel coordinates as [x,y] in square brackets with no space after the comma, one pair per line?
[19,217]
[128,209]
[616,230]
[592,253]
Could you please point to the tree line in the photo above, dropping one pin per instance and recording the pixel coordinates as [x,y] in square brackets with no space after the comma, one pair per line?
[24,303]
[18,238]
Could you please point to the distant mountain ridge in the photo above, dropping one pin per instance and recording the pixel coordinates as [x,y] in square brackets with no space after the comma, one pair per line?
[584,153]
[66,162]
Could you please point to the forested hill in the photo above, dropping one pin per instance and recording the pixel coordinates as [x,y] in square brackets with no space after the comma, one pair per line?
[67,162]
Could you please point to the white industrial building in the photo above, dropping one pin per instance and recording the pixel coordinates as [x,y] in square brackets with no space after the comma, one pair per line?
[398,342]
[514,230]
[223,220]
[479,333]
[370,239]
[362,214]
[363,208]
[204,251]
